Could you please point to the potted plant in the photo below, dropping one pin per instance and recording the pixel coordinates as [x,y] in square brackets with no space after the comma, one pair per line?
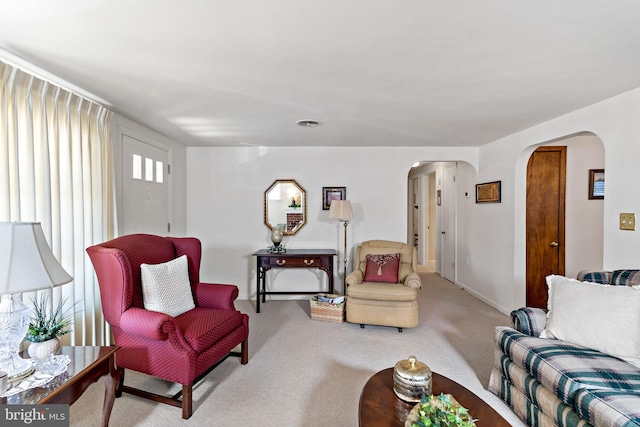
[439,411]
[46,327]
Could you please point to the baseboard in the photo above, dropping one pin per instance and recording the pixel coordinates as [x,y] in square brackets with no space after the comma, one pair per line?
[484,299]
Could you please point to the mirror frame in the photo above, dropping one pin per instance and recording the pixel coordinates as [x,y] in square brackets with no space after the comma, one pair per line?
[303,202]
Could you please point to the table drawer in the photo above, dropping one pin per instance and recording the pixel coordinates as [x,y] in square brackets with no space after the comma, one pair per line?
[302,262]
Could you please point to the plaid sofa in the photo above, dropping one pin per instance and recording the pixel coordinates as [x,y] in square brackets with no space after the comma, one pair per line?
[550,382]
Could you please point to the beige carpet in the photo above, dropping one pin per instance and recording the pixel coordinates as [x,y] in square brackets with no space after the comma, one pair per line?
[303,372]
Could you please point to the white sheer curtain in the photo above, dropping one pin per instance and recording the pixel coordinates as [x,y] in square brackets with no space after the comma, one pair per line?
[56,167]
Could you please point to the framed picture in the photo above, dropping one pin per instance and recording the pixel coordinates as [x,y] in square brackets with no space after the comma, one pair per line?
[489,192]
[596,184]
[332,193]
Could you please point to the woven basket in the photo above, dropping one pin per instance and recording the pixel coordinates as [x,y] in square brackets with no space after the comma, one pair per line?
[327,312]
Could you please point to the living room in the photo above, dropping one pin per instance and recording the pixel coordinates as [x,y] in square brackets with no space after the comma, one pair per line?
[217,193]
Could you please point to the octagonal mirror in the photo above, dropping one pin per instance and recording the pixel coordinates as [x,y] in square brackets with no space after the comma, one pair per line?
[285,205]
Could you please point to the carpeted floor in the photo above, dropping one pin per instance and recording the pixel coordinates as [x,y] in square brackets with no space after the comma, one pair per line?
[303,372]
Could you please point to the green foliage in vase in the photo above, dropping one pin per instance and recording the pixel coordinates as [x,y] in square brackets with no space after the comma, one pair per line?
[47,325]
[441,411]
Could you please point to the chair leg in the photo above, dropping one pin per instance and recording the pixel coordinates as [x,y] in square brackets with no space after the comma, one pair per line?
[187,401]
[120,383]
[244,352]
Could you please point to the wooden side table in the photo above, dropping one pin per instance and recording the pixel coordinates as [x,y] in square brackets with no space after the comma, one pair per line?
[293,258]
[87,365]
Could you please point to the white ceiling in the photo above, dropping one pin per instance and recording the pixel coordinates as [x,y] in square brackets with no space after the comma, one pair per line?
[375,72]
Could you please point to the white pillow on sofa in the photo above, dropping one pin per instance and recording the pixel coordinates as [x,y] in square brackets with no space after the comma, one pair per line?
[601,317]
[166,287]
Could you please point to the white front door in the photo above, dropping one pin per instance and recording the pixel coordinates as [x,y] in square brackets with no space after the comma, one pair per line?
[448,232]
[145,182]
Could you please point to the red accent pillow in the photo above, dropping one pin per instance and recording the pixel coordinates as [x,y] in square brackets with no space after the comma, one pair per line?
[382,268]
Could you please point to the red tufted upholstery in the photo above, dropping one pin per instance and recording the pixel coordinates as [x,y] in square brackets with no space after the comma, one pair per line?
[180,349]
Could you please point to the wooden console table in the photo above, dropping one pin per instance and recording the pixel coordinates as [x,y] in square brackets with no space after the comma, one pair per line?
[293,258]
[88,364]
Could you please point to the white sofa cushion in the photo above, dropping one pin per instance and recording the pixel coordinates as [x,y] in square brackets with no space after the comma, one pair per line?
[166,287]
[601,317]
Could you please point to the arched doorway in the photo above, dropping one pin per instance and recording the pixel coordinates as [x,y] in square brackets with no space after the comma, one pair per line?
[582,229]
[432,205]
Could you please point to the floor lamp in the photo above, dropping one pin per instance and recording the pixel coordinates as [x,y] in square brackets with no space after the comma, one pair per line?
[26,264]
[341,210]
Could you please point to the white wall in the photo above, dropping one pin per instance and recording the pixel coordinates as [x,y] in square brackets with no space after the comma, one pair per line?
[498,256]
[477,230]
[225,195]
[225,191]
[177,158]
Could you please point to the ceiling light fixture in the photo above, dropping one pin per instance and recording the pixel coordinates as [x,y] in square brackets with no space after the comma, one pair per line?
[308,123]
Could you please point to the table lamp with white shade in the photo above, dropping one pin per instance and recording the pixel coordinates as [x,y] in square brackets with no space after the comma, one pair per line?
[26,264]
[341,209]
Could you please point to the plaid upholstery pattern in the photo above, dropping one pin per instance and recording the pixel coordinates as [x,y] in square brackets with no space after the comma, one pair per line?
[565,368]
[602,277]
[534,404]
[616,277]
[528,320]
[609,407]
[625,277]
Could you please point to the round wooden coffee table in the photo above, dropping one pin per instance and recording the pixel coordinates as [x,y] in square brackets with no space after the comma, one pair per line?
[379,405]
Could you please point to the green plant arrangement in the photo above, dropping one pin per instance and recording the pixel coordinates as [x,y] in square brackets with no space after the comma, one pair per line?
[442,411]
[44,325]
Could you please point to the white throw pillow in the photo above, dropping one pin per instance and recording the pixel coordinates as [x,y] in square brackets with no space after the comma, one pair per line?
[166,287]
[601,317]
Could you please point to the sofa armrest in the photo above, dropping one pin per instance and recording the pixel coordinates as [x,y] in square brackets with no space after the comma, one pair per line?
[144,323]
[595,276]
[529,320]
[413,280]
[354,278]
[215,295]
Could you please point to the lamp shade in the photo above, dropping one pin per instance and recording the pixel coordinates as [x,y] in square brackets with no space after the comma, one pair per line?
[26,261]
[340,209]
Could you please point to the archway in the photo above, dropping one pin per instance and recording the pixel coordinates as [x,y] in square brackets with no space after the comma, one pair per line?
[584,217]
[433,201]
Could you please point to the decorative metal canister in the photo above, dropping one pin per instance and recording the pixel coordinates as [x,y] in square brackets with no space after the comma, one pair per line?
[411,379]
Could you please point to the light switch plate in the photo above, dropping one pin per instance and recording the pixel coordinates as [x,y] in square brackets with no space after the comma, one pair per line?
[627,221]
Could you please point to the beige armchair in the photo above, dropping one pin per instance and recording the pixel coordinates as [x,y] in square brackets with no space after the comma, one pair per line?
[381,303]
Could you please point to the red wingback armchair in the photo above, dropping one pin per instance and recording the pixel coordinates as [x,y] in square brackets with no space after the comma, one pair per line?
[179,349]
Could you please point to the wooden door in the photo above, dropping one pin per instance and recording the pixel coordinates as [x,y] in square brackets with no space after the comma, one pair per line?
[546,176]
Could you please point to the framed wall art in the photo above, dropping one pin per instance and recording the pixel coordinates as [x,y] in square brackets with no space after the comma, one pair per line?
[596,184]
[332,193]
[489,192]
